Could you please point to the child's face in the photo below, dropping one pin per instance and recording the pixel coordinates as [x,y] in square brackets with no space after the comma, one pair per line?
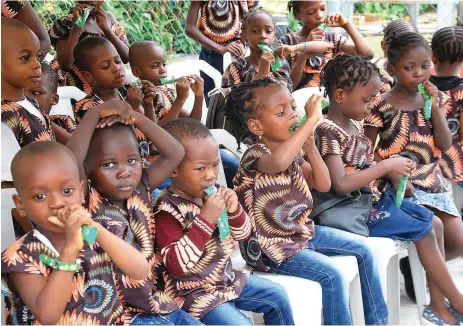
[260,29]
[54,185]
[20,52]
[114,164]
[357,103]
[311,13]
[199,168]
[152,66]
[276,114]
[412,68]
[43,94]
[106,69]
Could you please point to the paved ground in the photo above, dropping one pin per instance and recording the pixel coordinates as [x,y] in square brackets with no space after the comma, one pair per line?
[409,312]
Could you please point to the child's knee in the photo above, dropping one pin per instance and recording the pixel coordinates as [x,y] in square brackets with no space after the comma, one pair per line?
[438,226]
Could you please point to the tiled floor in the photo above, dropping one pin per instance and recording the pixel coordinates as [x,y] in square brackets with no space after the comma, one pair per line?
[409,311]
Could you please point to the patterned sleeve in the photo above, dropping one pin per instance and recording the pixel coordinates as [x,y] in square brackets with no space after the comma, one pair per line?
[327,140]
[64,122]
[82,106]
[240,225]
[60,29]
[11,8]
[19,259]
[375,118]
[119,30]
[254,153]
[232,76]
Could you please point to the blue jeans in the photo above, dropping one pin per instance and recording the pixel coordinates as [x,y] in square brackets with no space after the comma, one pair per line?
[215,60]
[313,264]
[258,295]
[230,166]
[177,317]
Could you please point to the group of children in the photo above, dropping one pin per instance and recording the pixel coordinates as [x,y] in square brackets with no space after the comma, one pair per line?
[163,260]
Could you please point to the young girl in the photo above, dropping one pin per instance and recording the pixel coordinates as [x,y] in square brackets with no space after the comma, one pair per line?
[398,116]
[65,34]
[352,82]
[51,276]
[396,27]
[306,67]
[273,186]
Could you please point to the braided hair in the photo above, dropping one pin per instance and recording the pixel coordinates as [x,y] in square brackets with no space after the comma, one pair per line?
[399,43]
[447,44]
[346,71]
[240,106]
[252,12]
[398,26]
[294,6]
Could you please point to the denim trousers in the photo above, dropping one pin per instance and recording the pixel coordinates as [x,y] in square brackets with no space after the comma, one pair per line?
[177,317]
[258,295]
[215,60]
[313,264]
[230,166]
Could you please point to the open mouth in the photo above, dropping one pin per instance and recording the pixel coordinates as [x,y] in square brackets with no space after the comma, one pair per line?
[120,78]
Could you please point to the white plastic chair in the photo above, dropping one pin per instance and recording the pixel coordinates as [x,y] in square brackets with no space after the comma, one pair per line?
[225,139]
[302,95]
[64,106]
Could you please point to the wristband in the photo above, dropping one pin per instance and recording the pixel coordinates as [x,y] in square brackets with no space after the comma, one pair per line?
[305,48]
[59,265]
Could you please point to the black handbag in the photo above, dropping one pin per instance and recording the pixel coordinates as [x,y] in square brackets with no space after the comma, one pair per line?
[348,212]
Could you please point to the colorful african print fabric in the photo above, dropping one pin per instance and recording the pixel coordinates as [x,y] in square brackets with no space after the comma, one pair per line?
[134,223]
[165,98]
[61,29]
[26,127]
[220,20]
[11,8]
[409,134]
[387,81]
[93,299]
[278,205]
[311,74]
[241,71]
[197,259]
[355,151]
[65,122]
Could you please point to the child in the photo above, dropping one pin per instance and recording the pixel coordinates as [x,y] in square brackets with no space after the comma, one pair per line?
[447,49]
[258,27]
[394,27]
[148,62]
[273,186]
[398,117]
[217,29]
[46,94]
[78,286]
[195,255]
[118,196]
[306,68]
[65,35]
[353,82]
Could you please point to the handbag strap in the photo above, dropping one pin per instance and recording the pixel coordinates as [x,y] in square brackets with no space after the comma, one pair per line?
[333,202]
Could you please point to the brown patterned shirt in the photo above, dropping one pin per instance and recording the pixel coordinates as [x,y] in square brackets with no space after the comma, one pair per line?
[165,98]
[278,205]
[65,122]
[387,81]
[11,8]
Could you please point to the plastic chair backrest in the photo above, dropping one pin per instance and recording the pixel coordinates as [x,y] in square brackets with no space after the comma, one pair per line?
[225,139]
[64,106]
[8,236]
[302,95]
[187,67]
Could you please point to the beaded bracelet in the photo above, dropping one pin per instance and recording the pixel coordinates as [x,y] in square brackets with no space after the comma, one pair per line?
[305,48]
[59,265]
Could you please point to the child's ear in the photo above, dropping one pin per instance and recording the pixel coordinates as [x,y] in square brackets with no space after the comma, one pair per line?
[174,173]
[339,95]
[390,69]
[82,192]
[383,47]
[255,127]
[434,59]
[55,99]
[88,77]
[19,206]
[136,72]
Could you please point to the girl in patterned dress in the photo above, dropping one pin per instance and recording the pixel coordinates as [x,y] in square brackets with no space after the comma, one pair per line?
[273,187]
[353,82]
[398,117]
[78,288]
[65,34]
[447,49]
[306,67]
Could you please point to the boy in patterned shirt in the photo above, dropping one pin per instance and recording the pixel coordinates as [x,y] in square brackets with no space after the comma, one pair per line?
[195,254]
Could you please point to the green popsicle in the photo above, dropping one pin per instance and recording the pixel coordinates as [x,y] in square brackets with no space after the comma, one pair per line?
[222,222]
[89,234]
[265,48]
[399,197]
[166,80]
[80,22]
[427,103]
[324,104]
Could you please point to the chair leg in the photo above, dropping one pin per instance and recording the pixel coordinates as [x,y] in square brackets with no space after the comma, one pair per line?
[355,302]
[419,279]
[393,290]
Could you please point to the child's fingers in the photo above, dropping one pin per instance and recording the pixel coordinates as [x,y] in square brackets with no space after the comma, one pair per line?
[55,220]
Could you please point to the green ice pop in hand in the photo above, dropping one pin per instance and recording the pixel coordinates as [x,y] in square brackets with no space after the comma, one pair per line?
[80,22]
[427,103]
[222,221]
[399,197]
[265,48]
[324,104]
[166,80]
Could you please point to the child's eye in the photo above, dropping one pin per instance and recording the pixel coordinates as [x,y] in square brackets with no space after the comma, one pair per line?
[426,66]
[282,113]
[105,67]
[408,68]
[68,191]
[155,66]
[35,93]
[39,197]
[108,165]
[131,161]
[216,164]
[164,63]
[200,169]
[25,58]
[269,31]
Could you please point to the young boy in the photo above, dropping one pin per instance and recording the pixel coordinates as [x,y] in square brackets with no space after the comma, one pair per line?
[195,255]
[51,276]
[46,94]
[148,62]
[118,196]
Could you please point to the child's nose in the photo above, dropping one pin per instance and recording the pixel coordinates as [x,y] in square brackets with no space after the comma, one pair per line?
[123,174]
[55,201]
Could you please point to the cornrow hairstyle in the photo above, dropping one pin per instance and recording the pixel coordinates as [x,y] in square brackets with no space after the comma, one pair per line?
[83,49]
[252,12]
[399,43]
[398,26]
[346,71]
[447,44]
[294,6]
[51,77]
[240,106]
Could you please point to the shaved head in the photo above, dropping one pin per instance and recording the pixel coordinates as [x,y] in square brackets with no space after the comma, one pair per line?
[138,50]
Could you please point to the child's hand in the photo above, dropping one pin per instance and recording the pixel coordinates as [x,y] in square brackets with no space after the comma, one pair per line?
[431,90]
[134,96]
[149,91]
[198,86]
[115,111]
[230,198]
[401,165]
[236,49]
[313,109]
[409,188]
[77,11]
[102,20]
[266,59]
[336,20]
[212,208]
[284,50]
[317,34]
[182,87]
